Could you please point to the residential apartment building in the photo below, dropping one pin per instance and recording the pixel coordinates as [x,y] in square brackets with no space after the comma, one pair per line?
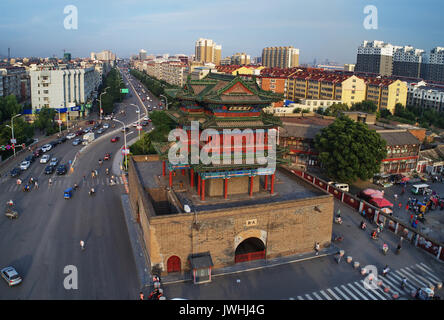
[349,67]
[225,61]
[240,59]
[433,68]
[386,59]
[375,57]
[326,86]
[386,93]
[105,55]
[142,55]
[206,50]
[62,86]
[407,62]
[426,95]
[174,72]
[14,82]
[280,57]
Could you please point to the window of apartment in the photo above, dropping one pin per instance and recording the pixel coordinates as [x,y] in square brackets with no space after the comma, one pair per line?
[45,91]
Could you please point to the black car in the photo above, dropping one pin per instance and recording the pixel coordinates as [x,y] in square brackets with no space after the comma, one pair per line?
[53,143]
[61,140]
[15,172]
[61,169]
[49,169]
[30,158]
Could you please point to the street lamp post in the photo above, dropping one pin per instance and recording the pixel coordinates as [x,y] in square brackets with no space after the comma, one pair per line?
[124,139]
[100,100]
[166,106]
[138,117]
[12,130]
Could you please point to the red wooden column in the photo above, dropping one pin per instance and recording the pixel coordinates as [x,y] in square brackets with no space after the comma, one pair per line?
[272,184]
[251,186]
[226,188]
[163,168]
[171,179]
[198,184]
[266,182]
[183,172]
[202,195]
[192,178]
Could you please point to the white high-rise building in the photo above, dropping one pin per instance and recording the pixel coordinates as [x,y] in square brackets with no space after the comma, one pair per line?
[142,55]
[58,87]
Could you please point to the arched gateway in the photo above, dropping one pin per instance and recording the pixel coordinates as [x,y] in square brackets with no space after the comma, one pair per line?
[250,249]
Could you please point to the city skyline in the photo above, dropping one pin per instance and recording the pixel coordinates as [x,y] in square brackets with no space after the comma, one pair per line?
[321,30]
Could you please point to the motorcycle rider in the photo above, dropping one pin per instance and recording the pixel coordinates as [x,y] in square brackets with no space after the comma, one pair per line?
[404,282]
[385,248]
[363,225]
[385,270]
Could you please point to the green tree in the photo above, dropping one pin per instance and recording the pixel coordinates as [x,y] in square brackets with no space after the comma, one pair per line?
[297,110]
[45,120]
[365,106]
[336,109]
[349,150]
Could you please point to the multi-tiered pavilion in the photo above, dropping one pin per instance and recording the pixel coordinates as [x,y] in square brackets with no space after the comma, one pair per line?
[224,102]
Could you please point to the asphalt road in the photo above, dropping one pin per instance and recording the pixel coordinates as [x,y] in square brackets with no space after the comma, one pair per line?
[293,280]
[46,236]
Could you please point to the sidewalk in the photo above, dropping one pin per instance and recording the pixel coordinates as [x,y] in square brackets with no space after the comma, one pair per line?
[253,265]
[141,258]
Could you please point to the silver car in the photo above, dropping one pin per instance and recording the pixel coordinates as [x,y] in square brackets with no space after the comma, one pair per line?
[11,276]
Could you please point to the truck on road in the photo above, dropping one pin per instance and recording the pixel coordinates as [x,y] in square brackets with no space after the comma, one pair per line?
[88,137]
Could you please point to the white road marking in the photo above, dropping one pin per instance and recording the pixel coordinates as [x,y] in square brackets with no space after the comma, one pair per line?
[333,294]
[350,293]
[375,291]
[358,292]
[366,291]
[325,295]
[309,298]
[431,275]
[317,296]
[340,292]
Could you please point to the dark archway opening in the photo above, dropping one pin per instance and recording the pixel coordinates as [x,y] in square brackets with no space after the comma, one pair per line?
[250,249]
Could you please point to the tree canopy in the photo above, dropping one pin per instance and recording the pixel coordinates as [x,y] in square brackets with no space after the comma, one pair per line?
[162,126]
[335,110]
[348,150]
[364,106]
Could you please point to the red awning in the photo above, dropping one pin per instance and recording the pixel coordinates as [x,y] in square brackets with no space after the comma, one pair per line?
[381,202]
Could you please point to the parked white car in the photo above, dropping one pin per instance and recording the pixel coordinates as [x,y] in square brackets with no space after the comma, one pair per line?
[71,136]
[25,165]
[45,158]
[105,126]
[46,147]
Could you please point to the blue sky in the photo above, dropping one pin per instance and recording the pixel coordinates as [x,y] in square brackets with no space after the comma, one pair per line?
[319,28]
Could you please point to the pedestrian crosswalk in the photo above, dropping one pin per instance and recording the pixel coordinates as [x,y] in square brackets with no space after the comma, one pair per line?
[63,182]
[418,276]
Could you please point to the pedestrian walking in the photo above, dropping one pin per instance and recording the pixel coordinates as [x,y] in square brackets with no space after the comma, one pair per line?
[407,207]
[141,296]
[396,197]
[317,247]
[50,182]
[84,178]
[82,244]
[36,184]
[400,206]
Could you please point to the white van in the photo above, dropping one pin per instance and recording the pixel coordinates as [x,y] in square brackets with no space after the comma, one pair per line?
[341,186]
